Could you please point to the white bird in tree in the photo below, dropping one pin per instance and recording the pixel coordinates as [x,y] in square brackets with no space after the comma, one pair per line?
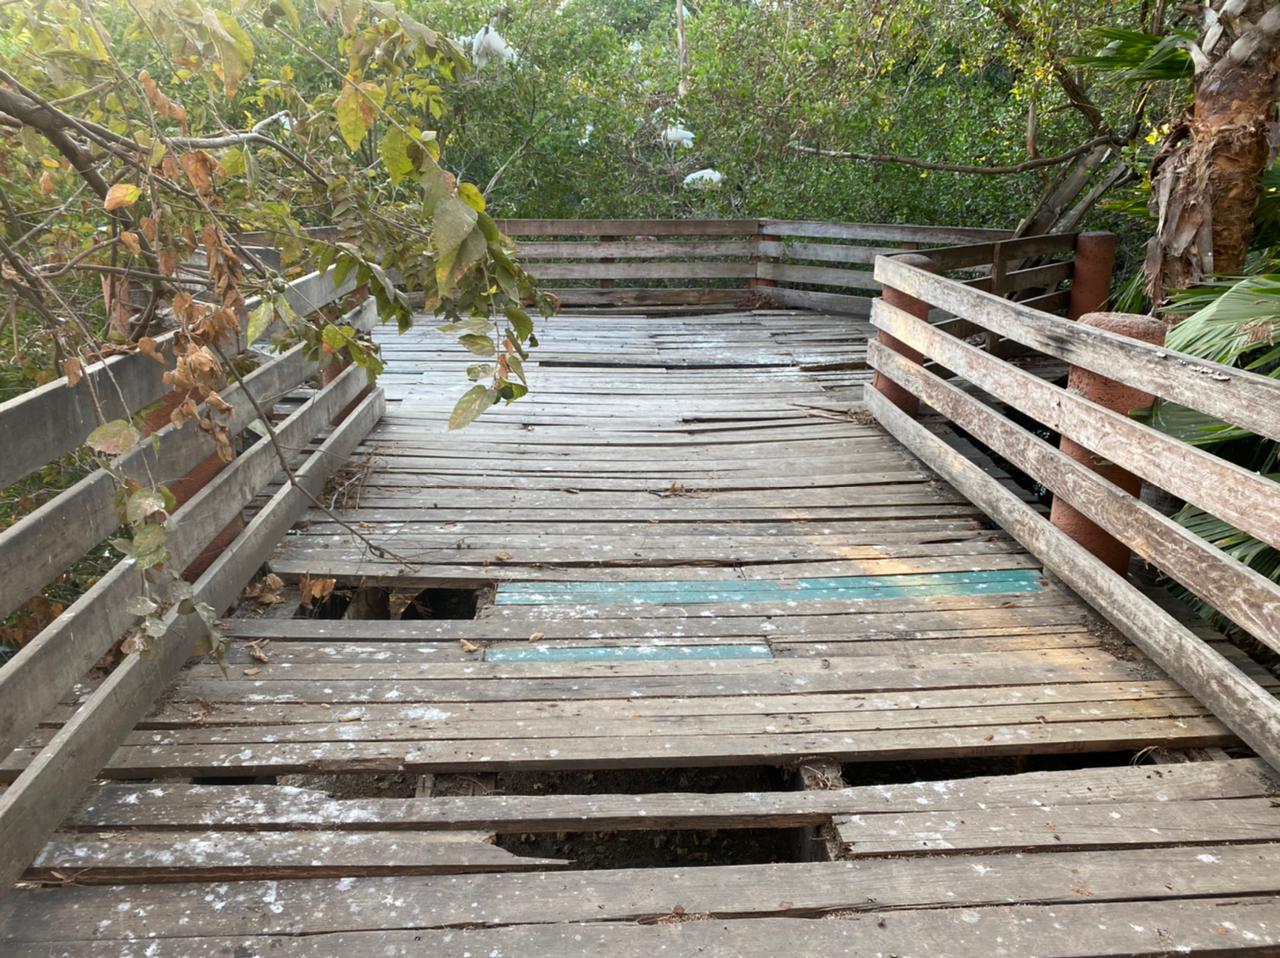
[705,179]
[677,135]
[489,46]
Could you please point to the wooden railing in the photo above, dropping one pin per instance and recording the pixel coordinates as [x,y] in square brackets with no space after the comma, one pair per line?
[923,362]
[40,426]
[824,266]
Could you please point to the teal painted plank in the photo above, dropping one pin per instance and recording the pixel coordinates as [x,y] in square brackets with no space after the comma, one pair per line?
[820,582]
[626,653]
[684,592]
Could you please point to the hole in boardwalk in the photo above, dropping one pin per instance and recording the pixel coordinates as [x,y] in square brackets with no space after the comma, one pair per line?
[382,603]
[657,847]
[444,604]
[640,781]
[933,770]
[661,849]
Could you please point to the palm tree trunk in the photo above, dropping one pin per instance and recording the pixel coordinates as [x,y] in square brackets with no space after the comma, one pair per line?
[1205,189]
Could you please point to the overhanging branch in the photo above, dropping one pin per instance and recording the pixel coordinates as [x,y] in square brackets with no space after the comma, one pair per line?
[920,164]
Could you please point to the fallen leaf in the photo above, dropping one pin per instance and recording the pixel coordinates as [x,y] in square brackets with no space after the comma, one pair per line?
[350,717]
[253,671]
[535,637]
[468,646]
[503,557]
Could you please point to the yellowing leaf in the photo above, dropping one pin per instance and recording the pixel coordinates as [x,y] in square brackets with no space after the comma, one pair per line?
[234,48]
[351,116]
[114,437]
[121,194]
[473,402]
[259,319]
[472,196]
[395,155]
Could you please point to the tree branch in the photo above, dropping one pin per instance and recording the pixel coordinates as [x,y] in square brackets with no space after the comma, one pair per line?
[960,167]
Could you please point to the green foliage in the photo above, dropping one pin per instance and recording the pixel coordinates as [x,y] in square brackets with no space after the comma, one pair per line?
[1235,322]
[1136,55]
[575,128]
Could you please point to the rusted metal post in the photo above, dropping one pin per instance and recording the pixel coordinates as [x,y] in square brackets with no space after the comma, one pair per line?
[1118,398]
[902,398]
[1091,278]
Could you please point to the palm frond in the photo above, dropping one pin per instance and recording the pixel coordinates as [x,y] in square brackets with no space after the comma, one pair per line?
[1136,55]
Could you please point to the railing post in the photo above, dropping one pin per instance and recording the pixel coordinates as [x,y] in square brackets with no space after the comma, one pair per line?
[902,398]
[1095,261]
[1118,398]
[757,281]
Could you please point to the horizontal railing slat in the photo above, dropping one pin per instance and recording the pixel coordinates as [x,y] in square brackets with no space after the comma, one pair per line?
[819,275]
[1248,598]
[55,418]
[1014,250]
[35,679]
[1047,276]
[1249,710]
[840,303]
[535,227]
[823,252]
[45,543]
[1234,395]
[1242,497]
[624,271]
[881,232]
[633,249]
[56,778]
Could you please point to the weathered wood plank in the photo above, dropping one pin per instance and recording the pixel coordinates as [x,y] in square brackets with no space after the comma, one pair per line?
[880,232]
[631,895]
[818,275]
[630,227]
[810,299]
[1234,395]
[1123,930]
[633,249]
[1058,827]
[684,269]
[254,807]
[141,855]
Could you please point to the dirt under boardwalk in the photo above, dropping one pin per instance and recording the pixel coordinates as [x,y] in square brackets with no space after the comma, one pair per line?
[710,574]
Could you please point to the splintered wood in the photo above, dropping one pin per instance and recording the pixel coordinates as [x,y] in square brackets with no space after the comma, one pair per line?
[694,552]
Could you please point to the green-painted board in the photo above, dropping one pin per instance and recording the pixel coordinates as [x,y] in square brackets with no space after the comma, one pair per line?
[694,591]
[626,653]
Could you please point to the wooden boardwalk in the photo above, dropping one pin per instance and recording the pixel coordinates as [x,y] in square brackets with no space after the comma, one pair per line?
[703,568]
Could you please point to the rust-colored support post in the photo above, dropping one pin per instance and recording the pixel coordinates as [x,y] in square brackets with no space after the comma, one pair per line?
[1095,262]
[757,281]
[903,399]
[185,487]
[1118,398]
